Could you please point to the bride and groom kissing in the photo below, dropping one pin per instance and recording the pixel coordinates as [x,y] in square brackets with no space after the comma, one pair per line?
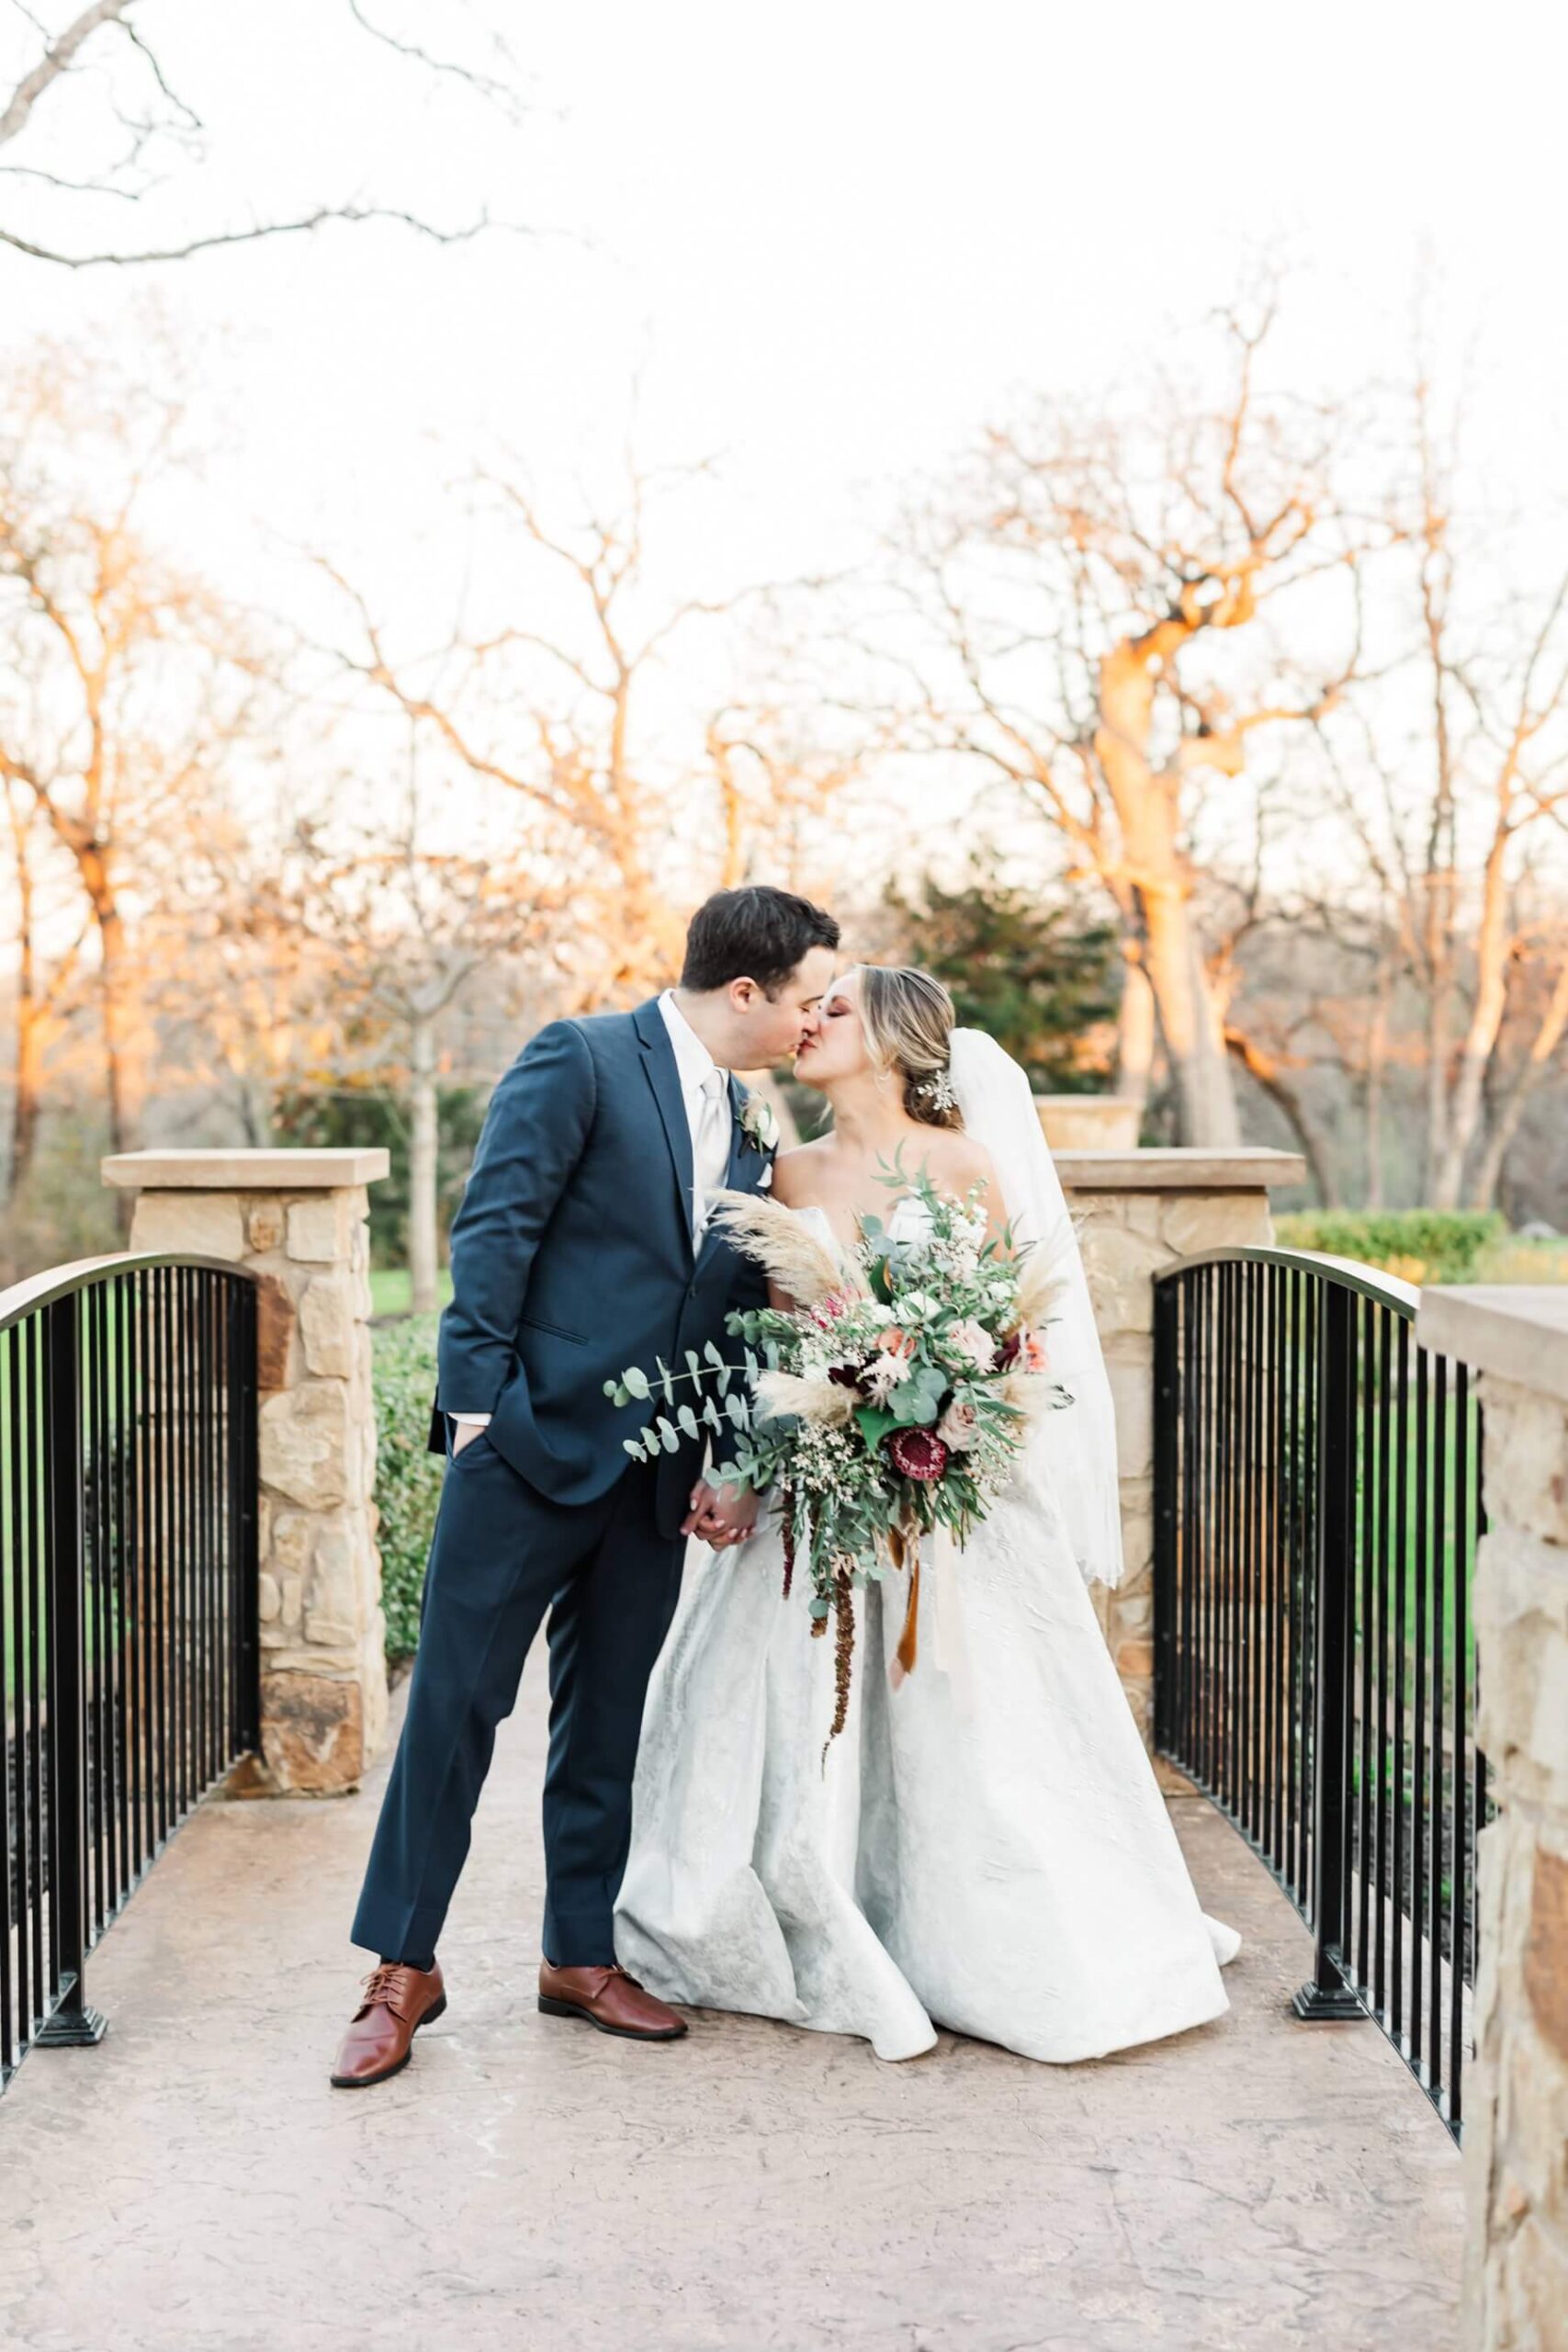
[985,1849]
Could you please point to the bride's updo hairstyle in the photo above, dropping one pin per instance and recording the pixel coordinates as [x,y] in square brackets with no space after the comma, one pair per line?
[907,1018]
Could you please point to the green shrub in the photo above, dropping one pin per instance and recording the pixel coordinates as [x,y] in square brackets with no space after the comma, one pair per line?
[408,1477]
[1418,1245]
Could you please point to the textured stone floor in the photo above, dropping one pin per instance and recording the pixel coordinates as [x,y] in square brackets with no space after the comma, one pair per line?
[193,2182]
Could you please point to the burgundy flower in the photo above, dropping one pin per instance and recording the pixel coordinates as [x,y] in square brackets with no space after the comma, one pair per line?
[844,1375]
[917,1454]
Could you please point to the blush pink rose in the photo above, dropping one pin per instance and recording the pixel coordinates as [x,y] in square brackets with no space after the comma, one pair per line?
[958,1426]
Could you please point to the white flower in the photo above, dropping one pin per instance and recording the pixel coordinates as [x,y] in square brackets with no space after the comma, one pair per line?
[758,1122]
[883,1374]
[914,1307]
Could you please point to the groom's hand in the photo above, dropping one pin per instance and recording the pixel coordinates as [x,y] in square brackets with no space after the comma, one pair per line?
[720,1516]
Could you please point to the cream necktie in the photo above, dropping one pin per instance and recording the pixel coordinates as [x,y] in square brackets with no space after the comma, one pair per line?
[710,1149]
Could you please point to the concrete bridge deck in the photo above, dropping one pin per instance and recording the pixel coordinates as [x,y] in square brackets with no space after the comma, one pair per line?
[195,2182]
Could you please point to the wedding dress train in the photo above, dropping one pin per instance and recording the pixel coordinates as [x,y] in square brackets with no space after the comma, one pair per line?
[985,1849]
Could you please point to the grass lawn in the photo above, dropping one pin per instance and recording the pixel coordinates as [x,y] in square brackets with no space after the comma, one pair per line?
[390,1290]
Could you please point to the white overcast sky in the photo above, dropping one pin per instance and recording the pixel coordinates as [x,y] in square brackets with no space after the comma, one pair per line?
[836,239]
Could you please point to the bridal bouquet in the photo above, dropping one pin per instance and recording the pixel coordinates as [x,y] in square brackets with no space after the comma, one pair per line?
[890,1399]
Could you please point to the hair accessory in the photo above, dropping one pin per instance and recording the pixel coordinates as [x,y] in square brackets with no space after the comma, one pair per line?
[937,1089]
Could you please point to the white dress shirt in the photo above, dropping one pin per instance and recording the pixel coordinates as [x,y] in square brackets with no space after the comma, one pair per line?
[704,1093]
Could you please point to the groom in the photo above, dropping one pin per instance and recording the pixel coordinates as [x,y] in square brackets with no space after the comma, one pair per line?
[583,1244]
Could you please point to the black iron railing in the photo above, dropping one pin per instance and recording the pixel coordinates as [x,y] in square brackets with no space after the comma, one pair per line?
[1317,1504]
[128,1595]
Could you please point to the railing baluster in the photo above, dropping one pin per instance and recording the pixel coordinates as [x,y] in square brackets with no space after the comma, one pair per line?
[38,1902]
[129,1636]
[1418,1836]
[1401,1593]
[1317,1486]
[1385,1477]
[1440,1660]
[1166,1507]
[1463,1883]
[1365,1427]
[1329,1995]
[70,2021]
[13,1907]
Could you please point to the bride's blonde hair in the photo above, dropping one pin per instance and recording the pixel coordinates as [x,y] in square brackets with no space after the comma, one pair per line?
[907,1017]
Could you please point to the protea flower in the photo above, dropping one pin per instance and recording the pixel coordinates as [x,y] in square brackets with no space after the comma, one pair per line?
[917,1454]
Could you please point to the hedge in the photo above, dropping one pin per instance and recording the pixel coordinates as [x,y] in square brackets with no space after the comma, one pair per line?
[1418,1245]
[408,1477]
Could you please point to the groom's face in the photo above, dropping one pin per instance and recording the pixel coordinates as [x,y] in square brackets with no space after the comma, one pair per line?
[778,1025]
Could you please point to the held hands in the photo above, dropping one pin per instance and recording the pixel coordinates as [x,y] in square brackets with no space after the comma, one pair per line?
[719,1516]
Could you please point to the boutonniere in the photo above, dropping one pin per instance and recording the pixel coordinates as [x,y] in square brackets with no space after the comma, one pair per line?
[758,1123]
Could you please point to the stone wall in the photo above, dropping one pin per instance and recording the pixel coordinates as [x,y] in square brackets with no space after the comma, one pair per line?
[298,1222]
[1141,1212]
[1516,2142]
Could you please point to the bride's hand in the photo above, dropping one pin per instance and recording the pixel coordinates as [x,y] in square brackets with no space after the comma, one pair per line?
[720,1516]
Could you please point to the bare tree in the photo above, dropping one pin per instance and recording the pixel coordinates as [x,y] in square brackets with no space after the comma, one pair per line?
[1457,806]
[97,109]
[1110,598]
[404,930]
[552,711]
[44,985]
[123,688]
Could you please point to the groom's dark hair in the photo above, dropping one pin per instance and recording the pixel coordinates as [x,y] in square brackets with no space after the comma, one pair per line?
[752,934]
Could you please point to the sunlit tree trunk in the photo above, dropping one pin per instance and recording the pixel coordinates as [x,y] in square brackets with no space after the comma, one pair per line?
[1135,1031]
[28,1016]
[1147,806]
[1548,1035]
[424,1151]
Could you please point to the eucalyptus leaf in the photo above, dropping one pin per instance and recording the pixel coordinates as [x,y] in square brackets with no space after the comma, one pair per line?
[671,1436]
[688,1421]
[635,1382]
[874,1424]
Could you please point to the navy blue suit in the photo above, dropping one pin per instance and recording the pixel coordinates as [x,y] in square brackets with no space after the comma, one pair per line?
[572,1258]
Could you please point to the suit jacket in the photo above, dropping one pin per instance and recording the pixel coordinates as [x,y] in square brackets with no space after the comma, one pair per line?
[571,1257]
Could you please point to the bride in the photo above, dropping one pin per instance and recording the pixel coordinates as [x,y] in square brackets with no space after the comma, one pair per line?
[985,1847]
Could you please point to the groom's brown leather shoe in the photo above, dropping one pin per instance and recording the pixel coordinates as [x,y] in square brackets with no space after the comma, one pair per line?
[608,1998]
[379,2041]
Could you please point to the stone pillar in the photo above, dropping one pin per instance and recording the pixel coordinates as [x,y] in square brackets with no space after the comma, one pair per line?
[1141,1211]
[298,1222]
[1515,2132]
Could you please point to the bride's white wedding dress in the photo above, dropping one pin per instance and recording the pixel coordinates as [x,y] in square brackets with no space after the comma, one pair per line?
[985,1849]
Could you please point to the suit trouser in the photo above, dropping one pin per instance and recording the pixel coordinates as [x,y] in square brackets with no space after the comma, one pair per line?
[503,1552]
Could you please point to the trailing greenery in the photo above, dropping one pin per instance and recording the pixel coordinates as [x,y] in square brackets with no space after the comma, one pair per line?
[408,1477]
[1417,1245]
[1040,978]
